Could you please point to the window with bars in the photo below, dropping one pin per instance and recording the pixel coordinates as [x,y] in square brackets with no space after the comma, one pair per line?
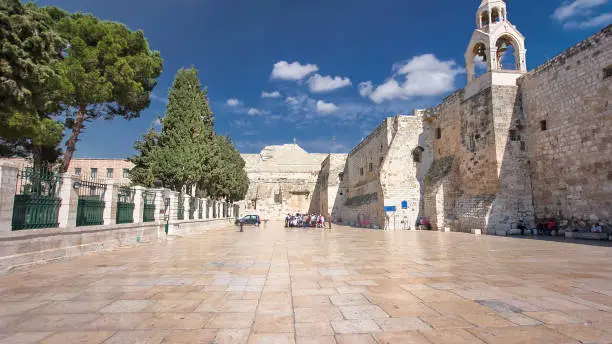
[109,172]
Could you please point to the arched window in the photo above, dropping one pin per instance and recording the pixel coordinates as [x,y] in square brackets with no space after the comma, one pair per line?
[507,54]
[495,15]
[479,54]
[484,18]
[417,154]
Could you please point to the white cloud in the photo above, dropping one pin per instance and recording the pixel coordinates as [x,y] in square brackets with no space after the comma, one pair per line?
[256,112]
[326,108]
[318,83]
[575,8]
[366,88]
[595,22]
[233,102]
[157,123]
[292,71]
[274,94]
[422,75]
[581,14]
[292,101]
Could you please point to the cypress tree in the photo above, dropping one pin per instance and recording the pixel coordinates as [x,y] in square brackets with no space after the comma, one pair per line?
[183,152]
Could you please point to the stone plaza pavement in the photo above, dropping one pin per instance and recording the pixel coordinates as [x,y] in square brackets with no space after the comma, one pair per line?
[272,285]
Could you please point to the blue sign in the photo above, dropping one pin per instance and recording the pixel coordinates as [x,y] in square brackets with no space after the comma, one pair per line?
[404,205]
[390,209]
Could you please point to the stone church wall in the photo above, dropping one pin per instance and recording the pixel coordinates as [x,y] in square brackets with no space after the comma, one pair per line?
[402,176]
[571,160]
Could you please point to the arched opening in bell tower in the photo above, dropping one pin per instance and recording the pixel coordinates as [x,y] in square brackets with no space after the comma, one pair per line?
[484,18]
[507,53]
[495,15]
[478,62]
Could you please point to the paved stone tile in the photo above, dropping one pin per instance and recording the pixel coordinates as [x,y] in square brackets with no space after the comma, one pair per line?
[232,336]
[316,340]
[452,336]
[554,317]
[271,338]
[273,324]
[77,337]
[355,339]
[172,306]
[229,287]
[207,336]
[140,337]
[170,321]
[447,322]
[363,312]
[354,326]
[318,329]
[25,337]
[522,335]
[402,324]
[585,333]
[126,306]
[412,337]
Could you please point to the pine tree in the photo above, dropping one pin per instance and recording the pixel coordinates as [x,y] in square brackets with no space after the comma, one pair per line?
[32,82]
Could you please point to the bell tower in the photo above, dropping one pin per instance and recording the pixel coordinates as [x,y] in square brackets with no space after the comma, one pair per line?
[495,42]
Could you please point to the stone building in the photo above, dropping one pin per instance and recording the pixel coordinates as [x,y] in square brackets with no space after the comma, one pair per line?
[512,144]
[104,169]
[283,179]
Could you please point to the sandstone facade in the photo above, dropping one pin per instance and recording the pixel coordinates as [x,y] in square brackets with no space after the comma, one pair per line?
[512,144]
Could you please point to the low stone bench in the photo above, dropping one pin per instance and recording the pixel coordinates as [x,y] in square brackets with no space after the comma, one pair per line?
[587,235]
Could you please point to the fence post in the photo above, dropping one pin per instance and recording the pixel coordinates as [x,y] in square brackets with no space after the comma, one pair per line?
[111,197]
[186,206]
[159,205]
[138,203]
[173,205]
[8,189]
[67,216]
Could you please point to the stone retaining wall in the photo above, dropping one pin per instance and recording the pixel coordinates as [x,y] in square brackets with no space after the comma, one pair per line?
[19,249]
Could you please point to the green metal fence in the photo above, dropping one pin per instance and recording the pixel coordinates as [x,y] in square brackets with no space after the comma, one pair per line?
[192,207]
[180,209]
[148,214]
[37,202]
[90,207]
[125,205]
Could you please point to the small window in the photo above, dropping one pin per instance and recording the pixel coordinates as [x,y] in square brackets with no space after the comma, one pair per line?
[77,171]
[608,72]
[94,173]
[371,167]
[471,144]
[438,133]
[417,154]
[514,136]
[341,176]
[361,171]
[543,125]
[109,173]
[126,173]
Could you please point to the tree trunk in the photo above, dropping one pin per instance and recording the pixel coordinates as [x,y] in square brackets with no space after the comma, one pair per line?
[74,137]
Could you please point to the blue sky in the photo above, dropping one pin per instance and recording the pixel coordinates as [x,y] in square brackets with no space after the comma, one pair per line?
[320,62]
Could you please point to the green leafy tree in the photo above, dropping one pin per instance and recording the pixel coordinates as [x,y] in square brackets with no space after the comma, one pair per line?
[32,82]
[181,159]
[112,71]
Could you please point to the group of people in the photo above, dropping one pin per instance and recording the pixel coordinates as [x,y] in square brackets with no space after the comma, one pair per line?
[305,220]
